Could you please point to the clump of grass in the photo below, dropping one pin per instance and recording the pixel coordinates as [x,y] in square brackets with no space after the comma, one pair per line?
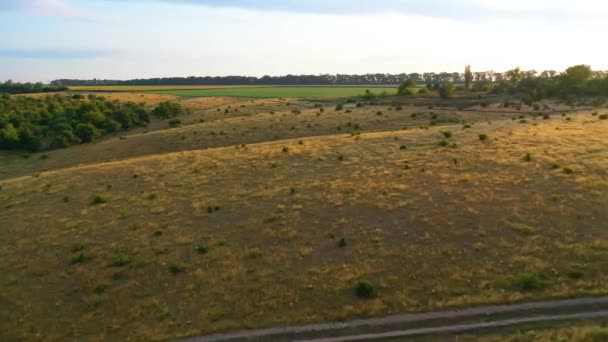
[546,117]
[254,253]
[98,199]
[123,214]
[403,147]
[603,117]
[483,137]
[101,288]
[285,149]
[175,268]
[529,282]
[79,258]
[443,143]
[527,158]
[339,107]
[365,289]
[554,166]
[201,249]
[120,259]
[379,113]
[447,134]
[575,272]
[213,209]
[523,229]
[342,243]
[568,171]
[467,126]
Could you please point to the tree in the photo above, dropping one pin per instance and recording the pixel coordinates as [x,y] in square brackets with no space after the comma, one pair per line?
[468,77]
[86,132]
[9,137]
[167,110]
[446,90]
[407,84]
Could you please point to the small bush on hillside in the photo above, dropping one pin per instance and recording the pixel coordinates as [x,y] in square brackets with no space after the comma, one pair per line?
[603,117]
[167,110]
[568,171]
[342,243]
[365,289]
[175,122]
[339,107]
[443,143]
[176,268]
[120,259]
[98,199]
[529,282]
[447,135]
[527,157]
[483,137]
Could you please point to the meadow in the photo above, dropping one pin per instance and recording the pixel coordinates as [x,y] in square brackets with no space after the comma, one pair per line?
[265,212]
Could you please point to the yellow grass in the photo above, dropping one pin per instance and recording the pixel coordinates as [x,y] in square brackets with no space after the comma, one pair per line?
[429,226]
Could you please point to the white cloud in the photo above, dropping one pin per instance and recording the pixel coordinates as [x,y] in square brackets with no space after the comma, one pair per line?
[44,7]
[567,6]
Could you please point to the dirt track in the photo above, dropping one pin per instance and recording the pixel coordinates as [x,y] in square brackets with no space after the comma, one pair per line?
[424,324]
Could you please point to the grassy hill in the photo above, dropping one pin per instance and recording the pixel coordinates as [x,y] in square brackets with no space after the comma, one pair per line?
[277,220]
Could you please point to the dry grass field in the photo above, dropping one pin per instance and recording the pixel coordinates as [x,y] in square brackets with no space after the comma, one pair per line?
[271,213]
[580,332]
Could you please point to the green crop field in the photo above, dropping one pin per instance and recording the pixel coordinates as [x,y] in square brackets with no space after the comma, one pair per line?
[277,92]
[245,91]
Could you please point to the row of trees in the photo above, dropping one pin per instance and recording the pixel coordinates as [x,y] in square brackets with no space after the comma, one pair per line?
[25,88]
[59,121]
[576,81]
[340,79]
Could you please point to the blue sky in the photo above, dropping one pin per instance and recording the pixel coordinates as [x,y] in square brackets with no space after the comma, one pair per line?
[122,39]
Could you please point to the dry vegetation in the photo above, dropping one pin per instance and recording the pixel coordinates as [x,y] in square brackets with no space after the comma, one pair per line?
[235,227]
[580,332]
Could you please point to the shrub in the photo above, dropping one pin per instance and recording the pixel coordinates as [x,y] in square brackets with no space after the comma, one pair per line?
[254,253]
[339,107]
[447,135]
[120,259]
[603,117]
[446,90]
[175,122]
[98,199]
[365,289]
[167,110]
[175,268]
[403,147]
[530,282]
[568,171]
[342,243]
[443,143]
[79,258]
[483,137]
[527,157]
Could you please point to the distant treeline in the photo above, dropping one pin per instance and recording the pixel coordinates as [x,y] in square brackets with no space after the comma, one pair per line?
[27,88]
[339,79]
[57,121]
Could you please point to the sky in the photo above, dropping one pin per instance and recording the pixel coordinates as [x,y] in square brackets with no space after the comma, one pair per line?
[43,40]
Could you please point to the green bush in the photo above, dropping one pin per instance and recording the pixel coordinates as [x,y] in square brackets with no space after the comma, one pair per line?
[98,199]
[119,260]
[365,289]
[167,110]
[483,137]
[530,282]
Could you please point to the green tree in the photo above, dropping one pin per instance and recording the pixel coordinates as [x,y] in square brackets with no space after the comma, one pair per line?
[86,132]
[407,84]
[468,77]
[446,90]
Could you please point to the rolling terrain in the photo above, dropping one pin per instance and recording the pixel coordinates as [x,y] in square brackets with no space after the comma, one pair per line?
[266,212]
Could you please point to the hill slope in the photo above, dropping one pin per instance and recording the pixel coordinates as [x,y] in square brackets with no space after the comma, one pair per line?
[203,241]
